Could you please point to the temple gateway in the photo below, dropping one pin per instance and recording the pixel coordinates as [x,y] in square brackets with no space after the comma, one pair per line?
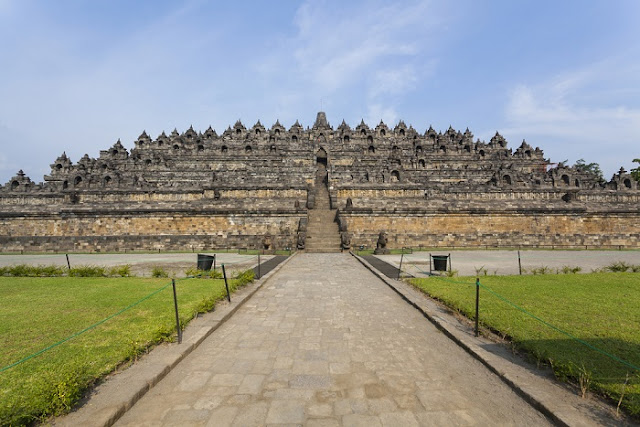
[319,189]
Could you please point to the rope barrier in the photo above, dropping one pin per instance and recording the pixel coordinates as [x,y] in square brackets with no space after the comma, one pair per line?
[544,322]
[31,356]
[592,347]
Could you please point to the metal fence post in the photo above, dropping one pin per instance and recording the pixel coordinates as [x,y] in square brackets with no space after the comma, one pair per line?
[68,263]
[175,304]
[259,273]
[477,303]
[214,262]
[226,285]
[519,264]
[400,269]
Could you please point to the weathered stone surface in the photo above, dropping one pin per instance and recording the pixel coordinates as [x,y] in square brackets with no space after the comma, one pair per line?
[232,189]
[343,349]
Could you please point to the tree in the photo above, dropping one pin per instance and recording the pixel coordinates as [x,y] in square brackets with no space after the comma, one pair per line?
[635,172]
[592,168]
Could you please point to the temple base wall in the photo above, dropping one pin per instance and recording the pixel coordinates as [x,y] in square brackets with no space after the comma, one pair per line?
[147,232]
[495,229]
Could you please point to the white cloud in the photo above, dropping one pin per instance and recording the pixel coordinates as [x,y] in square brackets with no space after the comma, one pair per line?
[346,57]
[574,116]
[377,112]
[166,73]
[335,47]
[393,81]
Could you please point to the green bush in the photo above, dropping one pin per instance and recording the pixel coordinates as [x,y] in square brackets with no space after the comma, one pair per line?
[211,274]
[618,267]
[540,270]
[245,278]
[569,270]
[121,271]
[21,270]
[158,272]
[88,271]
[25,270]
[192,272]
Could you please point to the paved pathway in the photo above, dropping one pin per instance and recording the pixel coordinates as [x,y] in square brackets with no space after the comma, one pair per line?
[327,343]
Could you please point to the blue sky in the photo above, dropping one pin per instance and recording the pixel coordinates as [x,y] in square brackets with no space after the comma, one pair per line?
[76,76]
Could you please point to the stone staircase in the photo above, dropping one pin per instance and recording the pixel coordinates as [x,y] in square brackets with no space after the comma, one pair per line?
[323,234]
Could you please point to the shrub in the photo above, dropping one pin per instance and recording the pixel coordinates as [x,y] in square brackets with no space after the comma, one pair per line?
[21,270]
[451,273]
[245,277]
[618,267]
[193,272]
[158,272]
[211,274]
[540,270]
[88,271]
[480,270]
[569,270]
[122,271]
[51,271]
[24,270]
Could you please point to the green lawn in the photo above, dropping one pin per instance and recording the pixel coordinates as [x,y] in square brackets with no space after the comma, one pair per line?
[39,312]
[601,309]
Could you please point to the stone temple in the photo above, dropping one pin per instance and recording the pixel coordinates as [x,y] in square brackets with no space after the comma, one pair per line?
[319,189]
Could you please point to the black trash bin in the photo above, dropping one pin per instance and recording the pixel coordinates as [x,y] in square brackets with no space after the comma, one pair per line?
[440,262]
[205,262]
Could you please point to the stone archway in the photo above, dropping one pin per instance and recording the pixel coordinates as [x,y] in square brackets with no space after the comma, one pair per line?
[321,158]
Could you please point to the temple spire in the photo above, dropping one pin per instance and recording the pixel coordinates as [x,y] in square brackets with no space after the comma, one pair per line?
[321,121]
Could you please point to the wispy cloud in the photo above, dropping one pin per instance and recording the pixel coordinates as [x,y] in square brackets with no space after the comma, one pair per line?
[374,50]
[336,46]
[556,113]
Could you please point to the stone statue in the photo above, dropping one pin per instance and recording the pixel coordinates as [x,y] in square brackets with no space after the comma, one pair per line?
[345,241]
[349,205]
[266,241]
[302,237]
[381,245]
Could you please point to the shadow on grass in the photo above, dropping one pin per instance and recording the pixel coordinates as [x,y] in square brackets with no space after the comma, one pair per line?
[601,362]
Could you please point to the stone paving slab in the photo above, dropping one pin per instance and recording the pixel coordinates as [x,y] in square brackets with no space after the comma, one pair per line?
[328,343]
[537,385]
[119,392]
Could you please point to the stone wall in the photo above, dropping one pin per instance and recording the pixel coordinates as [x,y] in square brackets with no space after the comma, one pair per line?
[507,229]
[101,231]
[210,190]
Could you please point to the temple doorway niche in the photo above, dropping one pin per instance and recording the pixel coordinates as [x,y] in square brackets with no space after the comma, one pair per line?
[321,159]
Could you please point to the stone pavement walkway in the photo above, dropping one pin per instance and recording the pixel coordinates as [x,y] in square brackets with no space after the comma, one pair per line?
[327,343]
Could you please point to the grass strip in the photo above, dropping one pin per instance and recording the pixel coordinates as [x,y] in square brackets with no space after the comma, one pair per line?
[88,327]
[544,315]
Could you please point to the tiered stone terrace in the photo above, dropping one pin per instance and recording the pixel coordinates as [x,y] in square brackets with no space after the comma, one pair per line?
[254,188]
